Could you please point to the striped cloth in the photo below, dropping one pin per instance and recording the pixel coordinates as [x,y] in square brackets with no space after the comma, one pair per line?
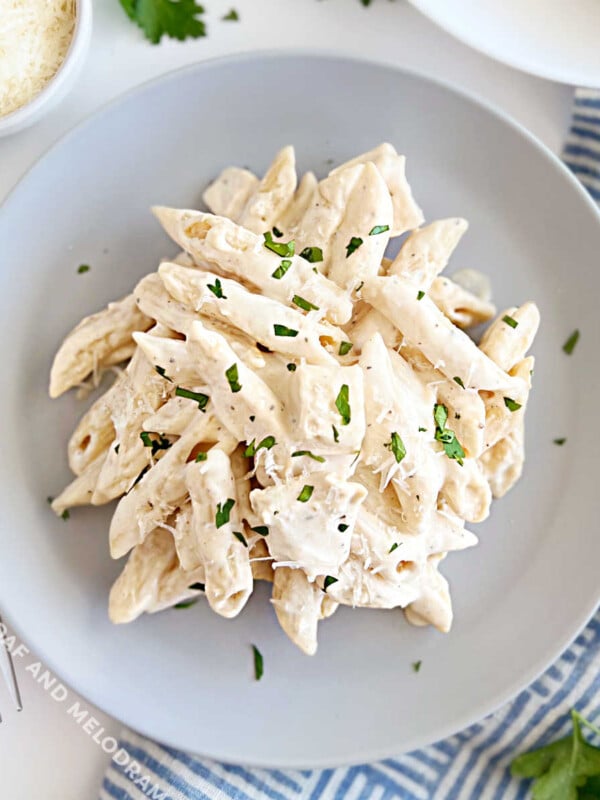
[471,764]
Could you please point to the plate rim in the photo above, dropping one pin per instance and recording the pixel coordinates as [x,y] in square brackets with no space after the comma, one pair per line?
[568,77]
[552,652]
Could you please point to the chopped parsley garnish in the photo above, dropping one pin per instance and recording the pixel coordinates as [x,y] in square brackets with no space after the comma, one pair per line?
[186,603]
[336,434]
[233,16]
[396,445]
[252,417]
[345,348]
[452,447]
[161,372]
[261,529]
[306,493]
[282,269]
[510,321]
[156,444]
[165,17]
[240,537]
[343,405]
[569,345]
[83,268]
[223,512]
[312,254]
[199,586]
[201,399]
[202,456]
[252,449]
[232,376]
[395,546]
[259,667]
[291,367]
[329,579]
[283,249]
[379,229]
[353,245]
[304,304]
[217,289]
[309,454]
[422,430]
[511,404]
[283,330]
[560,441]
[420,294]
[343,527]
[277,232]
[416,665]
[458,380]
[65,514]
[116,448]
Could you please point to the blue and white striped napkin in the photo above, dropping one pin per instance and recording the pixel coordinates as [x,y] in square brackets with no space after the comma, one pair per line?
[471,764]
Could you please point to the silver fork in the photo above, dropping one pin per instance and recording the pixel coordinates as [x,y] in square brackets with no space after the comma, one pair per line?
[8,671]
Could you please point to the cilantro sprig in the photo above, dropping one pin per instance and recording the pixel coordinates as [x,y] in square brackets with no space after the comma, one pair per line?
[175,18]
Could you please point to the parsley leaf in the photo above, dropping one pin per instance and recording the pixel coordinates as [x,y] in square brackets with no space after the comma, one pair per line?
[199,586]
[353,245]
[312,254]
[232,376]
[217,289]
[291,367]
[259,667]
[336,434]
[277,232]
[240,537]
[261,529]
[83,268]
[65,514]
[420,294]
[201,399]
[202,456]
[309,454]
[174,18]
[396,445]
[452,447]
[458,380]
[569,345]
[161,372]
[156,444]
[282,269]
[345,348]
[302,303]
[283,249]
[416,665]
[186,603]
[233,16]
[510,321]
[343,405]
[395,546]
[378,229]
[511,404]
[306,493]
[283,330]
[329,579]
[223,512]
[560,441]
[252,449]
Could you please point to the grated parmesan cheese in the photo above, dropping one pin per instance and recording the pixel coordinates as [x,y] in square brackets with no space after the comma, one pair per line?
[34,38]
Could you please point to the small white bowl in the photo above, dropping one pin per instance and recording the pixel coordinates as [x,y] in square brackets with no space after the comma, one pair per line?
[58,86]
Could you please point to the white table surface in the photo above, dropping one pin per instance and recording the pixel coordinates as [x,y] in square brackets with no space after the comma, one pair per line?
[44,754]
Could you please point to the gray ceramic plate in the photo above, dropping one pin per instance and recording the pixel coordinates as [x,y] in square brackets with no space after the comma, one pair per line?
[186,678]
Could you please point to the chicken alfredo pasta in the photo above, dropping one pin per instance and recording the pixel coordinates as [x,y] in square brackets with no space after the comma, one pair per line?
[295,407]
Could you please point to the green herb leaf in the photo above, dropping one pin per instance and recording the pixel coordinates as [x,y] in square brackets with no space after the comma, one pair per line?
[65,514]
[261,529]
[458,380]
[306,493]
[569,345]
[217,289]
[336,434]
[353,245]
[201,399]
[291,367]
[252,449]
[345,348]
[379,229]
[416,665]
[282,269]
[511,404]
[396,445]
[175,18]
[395,546]
[83,268]
[342,527]
[202,456]
[309,454]
[156,444]
[116,448]
[240,537]
[452,447]
[233,16]
[199,586]
[440,415]
[302,303]
[283,330]
[560,441]
[343,405]
[277,232]
[224,512]
[162,374]
[186,603]
[232,376]
[510,321]
[329,579]
[283,249]
[258,663]
[312,254]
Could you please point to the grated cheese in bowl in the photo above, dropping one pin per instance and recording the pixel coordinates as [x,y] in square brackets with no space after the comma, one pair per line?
[35,36]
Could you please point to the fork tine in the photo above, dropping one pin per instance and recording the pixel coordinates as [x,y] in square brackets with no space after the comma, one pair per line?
[10,678]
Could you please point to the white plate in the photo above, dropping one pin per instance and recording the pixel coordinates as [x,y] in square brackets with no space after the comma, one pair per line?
[186,677]
[555,39]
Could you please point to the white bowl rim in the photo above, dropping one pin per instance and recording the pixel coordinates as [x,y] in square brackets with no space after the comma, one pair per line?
[18,118]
